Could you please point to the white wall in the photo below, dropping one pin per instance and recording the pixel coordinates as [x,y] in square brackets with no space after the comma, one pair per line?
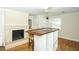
[1,26]
[14,17]
[70,26]
[15,20]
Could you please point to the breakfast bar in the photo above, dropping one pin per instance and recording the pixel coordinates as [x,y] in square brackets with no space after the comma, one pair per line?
[44,39]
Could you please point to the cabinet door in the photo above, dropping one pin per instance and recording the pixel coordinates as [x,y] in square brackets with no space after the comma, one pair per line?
[55,40]
[40,43]
[54,22]
[35,22]
[38,21]
[52,41]
[42,22]
[49,41]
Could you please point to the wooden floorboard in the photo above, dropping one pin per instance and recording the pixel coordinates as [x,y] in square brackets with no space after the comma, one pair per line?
[2,48]
[23,47]
[67,45]
[63,45]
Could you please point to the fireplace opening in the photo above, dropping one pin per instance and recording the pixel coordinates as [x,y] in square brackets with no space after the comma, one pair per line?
[17,34]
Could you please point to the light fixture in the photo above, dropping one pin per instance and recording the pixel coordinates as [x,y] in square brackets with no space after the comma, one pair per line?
[47,18]
[62,11]
[47,11]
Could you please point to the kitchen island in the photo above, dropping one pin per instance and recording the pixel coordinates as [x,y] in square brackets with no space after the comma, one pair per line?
[45,39]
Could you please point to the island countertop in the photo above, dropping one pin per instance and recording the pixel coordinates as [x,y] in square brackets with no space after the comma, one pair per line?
[41,31]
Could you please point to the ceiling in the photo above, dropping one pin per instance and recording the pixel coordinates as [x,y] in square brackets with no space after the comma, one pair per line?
[61,10]
[50,10]
[31,10]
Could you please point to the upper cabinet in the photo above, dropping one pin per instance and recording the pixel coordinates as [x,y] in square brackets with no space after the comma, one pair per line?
[41,21]
[38,21]
[55,22]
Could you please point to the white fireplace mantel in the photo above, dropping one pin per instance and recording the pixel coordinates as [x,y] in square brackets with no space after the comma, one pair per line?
[15,20]
[12,20]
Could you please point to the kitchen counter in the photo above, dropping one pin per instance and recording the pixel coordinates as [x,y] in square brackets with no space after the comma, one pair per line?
[43,39]
[41,31]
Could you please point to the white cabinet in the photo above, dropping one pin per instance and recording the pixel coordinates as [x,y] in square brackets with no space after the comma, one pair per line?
[55,40]
[38,21]
[35,22]
[46,42]
[40,43]
[54,22]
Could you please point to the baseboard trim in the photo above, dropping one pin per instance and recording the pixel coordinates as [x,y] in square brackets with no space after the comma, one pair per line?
[67,38]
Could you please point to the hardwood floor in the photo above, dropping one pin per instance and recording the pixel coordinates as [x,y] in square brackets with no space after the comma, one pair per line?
[23,47]
[2,48]
[67,45]
[63,45]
